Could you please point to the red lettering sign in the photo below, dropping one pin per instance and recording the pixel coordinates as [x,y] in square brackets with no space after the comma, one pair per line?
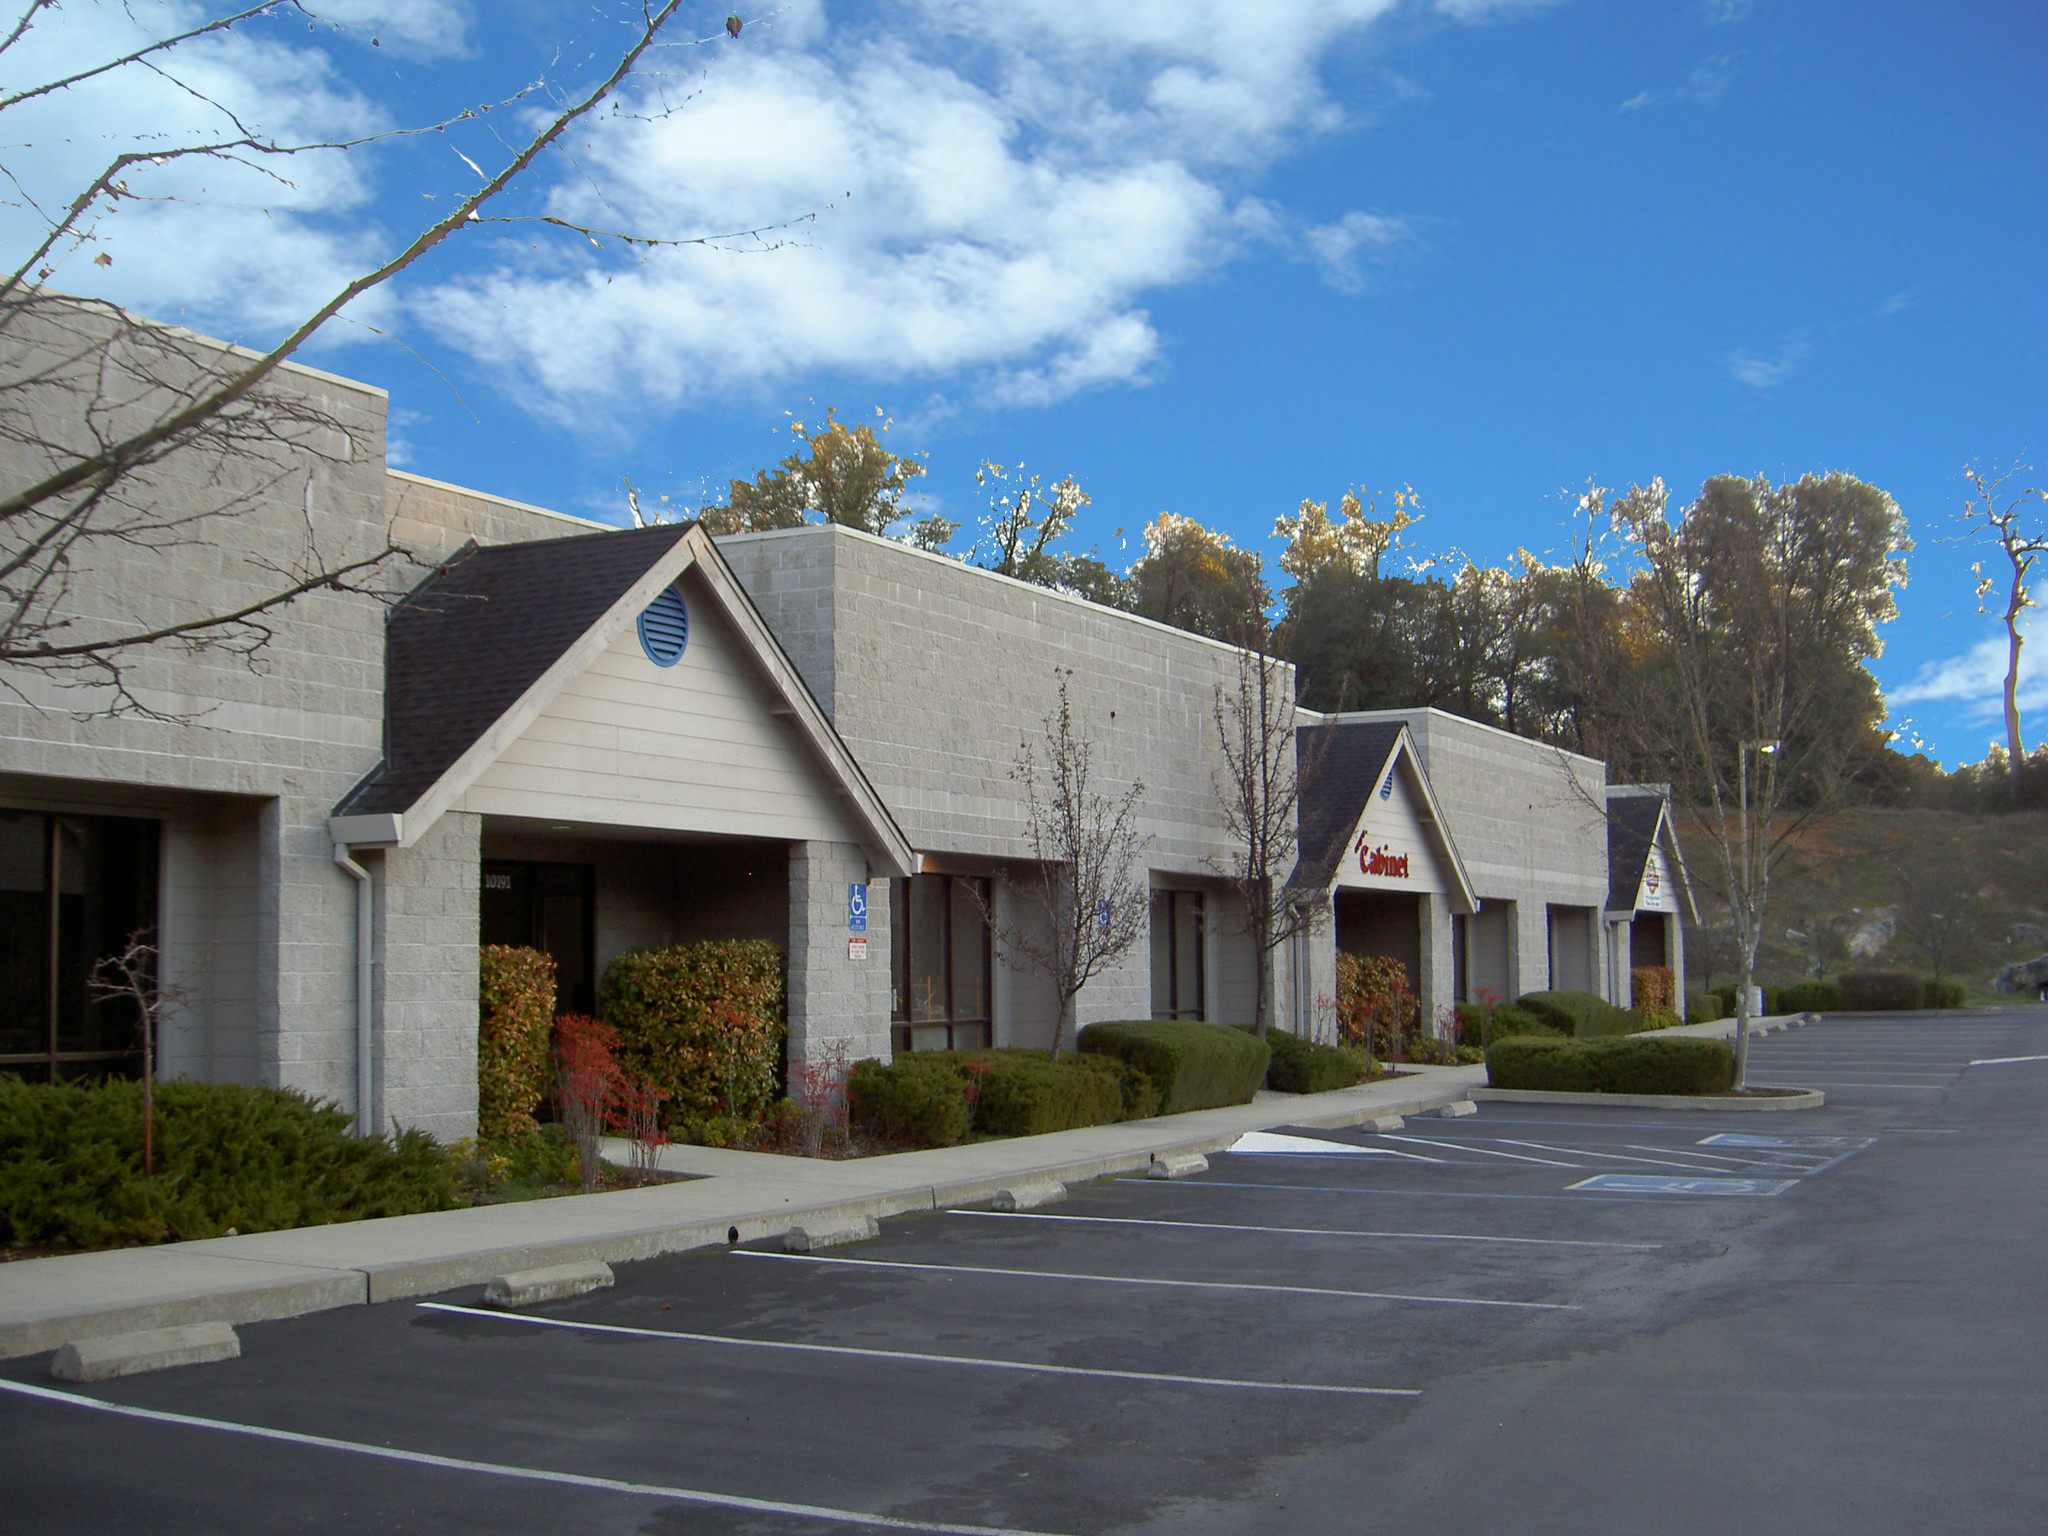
[1378,861]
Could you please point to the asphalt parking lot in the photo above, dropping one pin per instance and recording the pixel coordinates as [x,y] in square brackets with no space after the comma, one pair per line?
[1535,1319]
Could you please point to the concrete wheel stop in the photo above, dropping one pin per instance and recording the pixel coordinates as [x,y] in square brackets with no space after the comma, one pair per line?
[557,1282]
[1028,1197]
[831,1233]
[1177,1165]
[153,1349]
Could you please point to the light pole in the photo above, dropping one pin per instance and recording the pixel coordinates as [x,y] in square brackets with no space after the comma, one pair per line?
[1751,928]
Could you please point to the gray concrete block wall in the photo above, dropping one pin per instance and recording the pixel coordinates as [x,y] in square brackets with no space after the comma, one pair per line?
[426,981]
[1527,821]
[937,675]
[434,519]
[290,732]
[835,1001]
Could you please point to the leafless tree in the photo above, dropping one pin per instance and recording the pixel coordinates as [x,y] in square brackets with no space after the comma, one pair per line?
[130,977]
[101,411]
[1085,878]
[1941,905]
[2003,517]
[1258,787]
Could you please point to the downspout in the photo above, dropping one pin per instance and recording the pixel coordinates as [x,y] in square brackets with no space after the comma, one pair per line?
[364,1000]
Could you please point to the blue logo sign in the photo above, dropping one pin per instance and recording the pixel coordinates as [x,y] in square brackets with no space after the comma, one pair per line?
[857,907]
[1102,916]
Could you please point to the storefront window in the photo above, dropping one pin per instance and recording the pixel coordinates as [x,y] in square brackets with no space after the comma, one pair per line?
[74,890]
[939,957]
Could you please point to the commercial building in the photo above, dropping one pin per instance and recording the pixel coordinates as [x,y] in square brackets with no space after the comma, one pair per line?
[550,732]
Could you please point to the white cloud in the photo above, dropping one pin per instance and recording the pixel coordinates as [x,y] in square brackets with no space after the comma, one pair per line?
[1704,87]
[1721,13]
[1977,676]
[220,243]
[1000,187]
[416,28]
[1767,372]
[997,213]
[1344,249]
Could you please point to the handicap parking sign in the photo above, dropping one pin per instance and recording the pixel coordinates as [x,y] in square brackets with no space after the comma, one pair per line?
[857,907]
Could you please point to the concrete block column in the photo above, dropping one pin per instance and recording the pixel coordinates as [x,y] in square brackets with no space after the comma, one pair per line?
[1436,987]
[426,927]
[835,1000]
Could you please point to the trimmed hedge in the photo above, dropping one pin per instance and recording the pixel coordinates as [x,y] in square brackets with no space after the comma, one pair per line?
[936,1098]
[696,1020]
[1303,1066]
[1703,1008]
[1882,991]
[1507,1020]
[1026,1093]
[255,1159]
[1633,1064]
[920,1097]
[1194,1066]
[516,1011]
[1579,1014]
[1947,994]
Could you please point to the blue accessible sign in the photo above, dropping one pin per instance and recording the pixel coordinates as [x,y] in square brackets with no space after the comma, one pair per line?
[857,907]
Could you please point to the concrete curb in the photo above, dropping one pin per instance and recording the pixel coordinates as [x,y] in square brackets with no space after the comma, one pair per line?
[1805,1098]
[264,1276]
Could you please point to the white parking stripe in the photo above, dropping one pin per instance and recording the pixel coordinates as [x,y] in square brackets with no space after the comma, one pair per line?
[1339,1189]
[1184,1285]
[1232,1226]
[822,1512]
[1621,1157]
[493,1315]
[2002,1061]
[1467,1146]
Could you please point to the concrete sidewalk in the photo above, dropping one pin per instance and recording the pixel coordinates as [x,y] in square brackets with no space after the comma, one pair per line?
[747,1195]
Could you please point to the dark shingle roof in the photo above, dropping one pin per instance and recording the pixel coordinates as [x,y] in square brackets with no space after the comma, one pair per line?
[1631,825]
[1341,765]
[472,638]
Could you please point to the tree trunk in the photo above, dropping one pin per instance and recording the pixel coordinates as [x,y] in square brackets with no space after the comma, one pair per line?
[1745,979]
[2014,758]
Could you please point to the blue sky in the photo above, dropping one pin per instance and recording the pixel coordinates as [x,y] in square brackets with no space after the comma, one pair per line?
[1207,258]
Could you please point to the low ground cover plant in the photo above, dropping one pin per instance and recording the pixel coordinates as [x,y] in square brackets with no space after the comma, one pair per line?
[1623,1064]
[227,1157]
[1193,1066]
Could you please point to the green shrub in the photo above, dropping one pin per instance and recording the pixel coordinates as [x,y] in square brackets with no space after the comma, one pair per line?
[1806,997]
[920,1097]
[1726,997]
[1508,1019]
[1580,1014]
[1139,1093]
[1027,1093]
[1703,1008]
[1947,994]
[1303,1066]
[1633,1064]
[701,1022]
[1194,1066]
[516,1009]
[1882,991]
[255,1159]
[1651,992]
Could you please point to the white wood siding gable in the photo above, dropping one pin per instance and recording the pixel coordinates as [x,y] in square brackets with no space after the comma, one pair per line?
[705,745]
[1399,843]
[1659,892]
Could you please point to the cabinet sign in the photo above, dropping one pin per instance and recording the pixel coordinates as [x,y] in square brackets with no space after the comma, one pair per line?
[1381,861]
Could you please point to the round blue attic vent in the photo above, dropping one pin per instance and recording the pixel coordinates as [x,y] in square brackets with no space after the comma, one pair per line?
[665,629]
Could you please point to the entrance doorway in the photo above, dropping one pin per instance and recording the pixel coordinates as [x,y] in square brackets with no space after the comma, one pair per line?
[551,908]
